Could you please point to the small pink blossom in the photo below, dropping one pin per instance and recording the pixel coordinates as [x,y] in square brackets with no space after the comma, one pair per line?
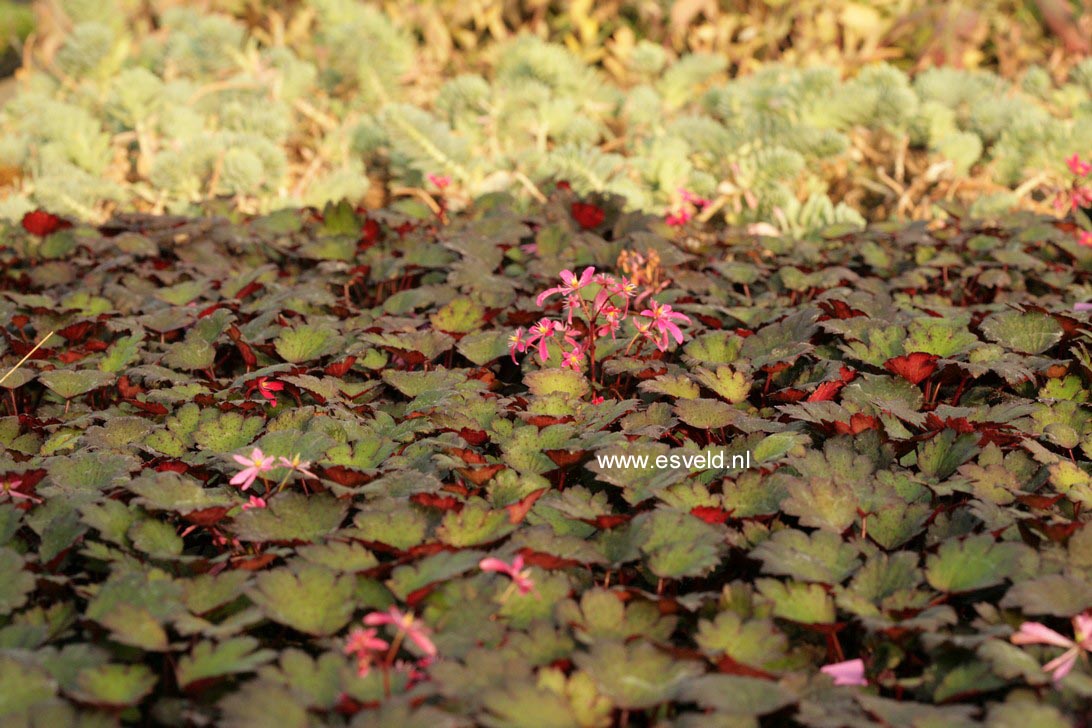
[405,624]
[520,577]
[540,334]
[1077,167]
[1084,238]
[693,199]
[441,181]
[1036,633]
[850,672]
[664,321]
[573,358]
[597,399]
[8,490]
[257,463]
[364,644]
[569,284]
[1083,306]
[254,502]
[516,343]
[300,466]
[678,219]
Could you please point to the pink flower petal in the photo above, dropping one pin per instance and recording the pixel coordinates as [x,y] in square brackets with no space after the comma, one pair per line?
[1034,633]
[850,672]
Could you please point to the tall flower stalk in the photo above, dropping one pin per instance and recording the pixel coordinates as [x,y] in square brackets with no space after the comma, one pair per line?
[601,303]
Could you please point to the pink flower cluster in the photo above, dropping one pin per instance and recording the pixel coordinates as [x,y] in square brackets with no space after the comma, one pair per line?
[603,313]
[366,645]
[691,204]
[259,463]
[1036,633]
[1078,195]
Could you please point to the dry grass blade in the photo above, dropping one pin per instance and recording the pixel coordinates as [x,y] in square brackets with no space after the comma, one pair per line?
[25,357]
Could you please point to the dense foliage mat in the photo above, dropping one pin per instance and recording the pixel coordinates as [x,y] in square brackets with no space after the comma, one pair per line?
[912,401]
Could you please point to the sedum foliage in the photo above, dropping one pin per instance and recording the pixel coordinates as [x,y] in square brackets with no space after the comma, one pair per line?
[333,102]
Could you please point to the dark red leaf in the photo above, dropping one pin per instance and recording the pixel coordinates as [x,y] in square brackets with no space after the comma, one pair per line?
[441,502]
[857,423]
[710,514]
[518,511]
[825,392]
[914,367]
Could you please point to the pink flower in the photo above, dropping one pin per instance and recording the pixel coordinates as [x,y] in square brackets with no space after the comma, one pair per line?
[254,502]
[678,219]
[267,388]
[364,644]
[1084,238]
[572,358]
[569,284]
[597,399]
[405,624]
[257,463]
[541,333]
[521,577]
[300,466]
[440,181]
[1082,306]
[516,343]
[1077,167]
[693,199]
[663,319]
[573,304]
[8,490]
[850,672]
[1036,633]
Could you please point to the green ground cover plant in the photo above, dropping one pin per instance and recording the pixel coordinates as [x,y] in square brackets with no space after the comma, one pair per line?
[293,470]
[161,107]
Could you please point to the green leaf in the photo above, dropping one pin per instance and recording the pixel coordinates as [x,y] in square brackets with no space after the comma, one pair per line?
[441,566]
[228,431]
[176,493]
[190,355]
[307,343]
[124,350]
[705,414]
[1028,333]
[732,386]
[636,676]
[820,557]
[114,685]
[1054,594]
[68,383]
[679,544]
[460,316]
[942,454]
[822,503]
[803,603]
[231,657]
[565,381]
[339,556]
[291,516]
[156,538]
[307,598]
[475,524]
[15,582]
[976,562]
[134,625]
[737,695]
[754,642]
[22,685]
[260,703]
